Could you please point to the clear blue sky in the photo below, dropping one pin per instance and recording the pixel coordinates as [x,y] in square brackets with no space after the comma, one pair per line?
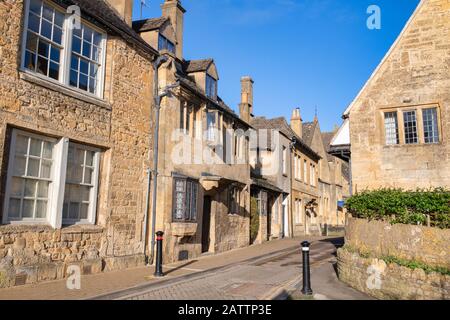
[301,53]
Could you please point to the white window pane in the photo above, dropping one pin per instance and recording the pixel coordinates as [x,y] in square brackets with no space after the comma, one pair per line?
[21,145]
[46,169]
[48,150]
[88,175]
[84,211]
[41,209]
[35,147]
[42,189]
[33,167]
[74,209]
[85,193]
[28,208]
[19,166]
[16,186]
[30,188]
[14,208]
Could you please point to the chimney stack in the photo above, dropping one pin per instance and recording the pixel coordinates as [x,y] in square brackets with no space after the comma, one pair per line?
[297,122]
[124,8]
[173,10]
[246,105]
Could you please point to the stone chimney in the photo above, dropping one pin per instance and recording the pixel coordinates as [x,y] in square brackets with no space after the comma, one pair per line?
[124,8]
[173,10]
[246,105]
[297,122]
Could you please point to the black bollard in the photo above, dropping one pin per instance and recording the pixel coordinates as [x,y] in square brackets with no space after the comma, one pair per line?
[158,266]
[306,272]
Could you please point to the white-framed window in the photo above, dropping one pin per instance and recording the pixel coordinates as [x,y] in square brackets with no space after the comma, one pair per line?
[39,177]
[211,87]
[284,160]
[211,125]
[391,128]
[305,171]
[53,49]
[186,112]
[81,185]
[298,211]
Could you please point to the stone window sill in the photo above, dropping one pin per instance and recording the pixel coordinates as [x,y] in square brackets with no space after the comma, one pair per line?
[55,86]
[183,229]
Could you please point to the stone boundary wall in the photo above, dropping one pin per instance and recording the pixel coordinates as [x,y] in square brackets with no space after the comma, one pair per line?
[375,278]
[418,243]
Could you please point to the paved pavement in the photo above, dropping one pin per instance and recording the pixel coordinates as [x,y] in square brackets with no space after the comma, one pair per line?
[103,283]
[257,279]
[255,272]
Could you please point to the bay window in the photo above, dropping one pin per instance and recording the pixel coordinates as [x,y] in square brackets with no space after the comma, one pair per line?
[55,49]
[211,125]
[50,181]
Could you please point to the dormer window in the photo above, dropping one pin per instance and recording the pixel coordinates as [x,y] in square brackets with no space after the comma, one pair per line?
[165,44]
[211,87]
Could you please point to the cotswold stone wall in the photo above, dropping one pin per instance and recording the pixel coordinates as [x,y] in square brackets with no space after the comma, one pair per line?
[391,281]
[361,266]
[416,73]
[120,125]
[424,244]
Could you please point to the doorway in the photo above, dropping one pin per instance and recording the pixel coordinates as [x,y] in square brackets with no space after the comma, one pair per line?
[206,224]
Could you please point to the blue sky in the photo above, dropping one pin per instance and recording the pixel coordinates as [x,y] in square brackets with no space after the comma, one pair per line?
[301,53]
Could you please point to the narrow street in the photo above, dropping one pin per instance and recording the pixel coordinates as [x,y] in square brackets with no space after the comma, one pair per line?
[260,278]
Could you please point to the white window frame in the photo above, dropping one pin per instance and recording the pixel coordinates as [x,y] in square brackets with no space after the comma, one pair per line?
[94,190]
[57,184]
[284,160]
[66,51]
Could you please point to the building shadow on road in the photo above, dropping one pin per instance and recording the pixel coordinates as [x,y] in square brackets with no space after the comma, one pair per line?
[179,267]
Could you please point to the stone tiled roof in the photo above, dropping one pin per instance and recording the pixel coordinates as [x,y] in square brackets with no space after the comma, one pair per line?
[197,65]
[308,132]
[100,12]
[282,126]
[149,24]
[326,138]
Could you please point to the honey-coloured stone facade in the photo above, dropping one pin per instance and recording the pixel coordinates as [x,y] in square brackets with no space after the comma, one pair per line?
[119,125]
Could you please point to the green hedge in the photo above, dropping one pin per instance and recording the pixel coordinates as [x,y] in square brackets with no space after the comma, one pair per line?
[399,206]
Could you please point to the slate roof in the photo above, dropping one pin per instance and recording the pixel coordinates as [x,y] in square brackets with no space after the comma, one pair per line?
[197,65]
[308,132]
[101,12]
[149,24]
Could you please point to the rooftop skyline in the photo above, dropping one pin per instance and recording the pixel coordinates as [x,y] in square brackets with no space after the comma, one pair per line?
[301,53]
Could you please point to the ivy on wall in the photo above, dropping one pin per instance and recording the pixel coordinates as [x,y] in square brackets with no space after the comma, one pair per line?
[420,207]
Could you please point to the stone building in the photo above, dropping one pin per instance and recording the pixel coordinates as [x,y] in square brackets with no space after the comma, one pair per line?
[75,122]
[399,124]
[203,194]
[271,180]
[333,176]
